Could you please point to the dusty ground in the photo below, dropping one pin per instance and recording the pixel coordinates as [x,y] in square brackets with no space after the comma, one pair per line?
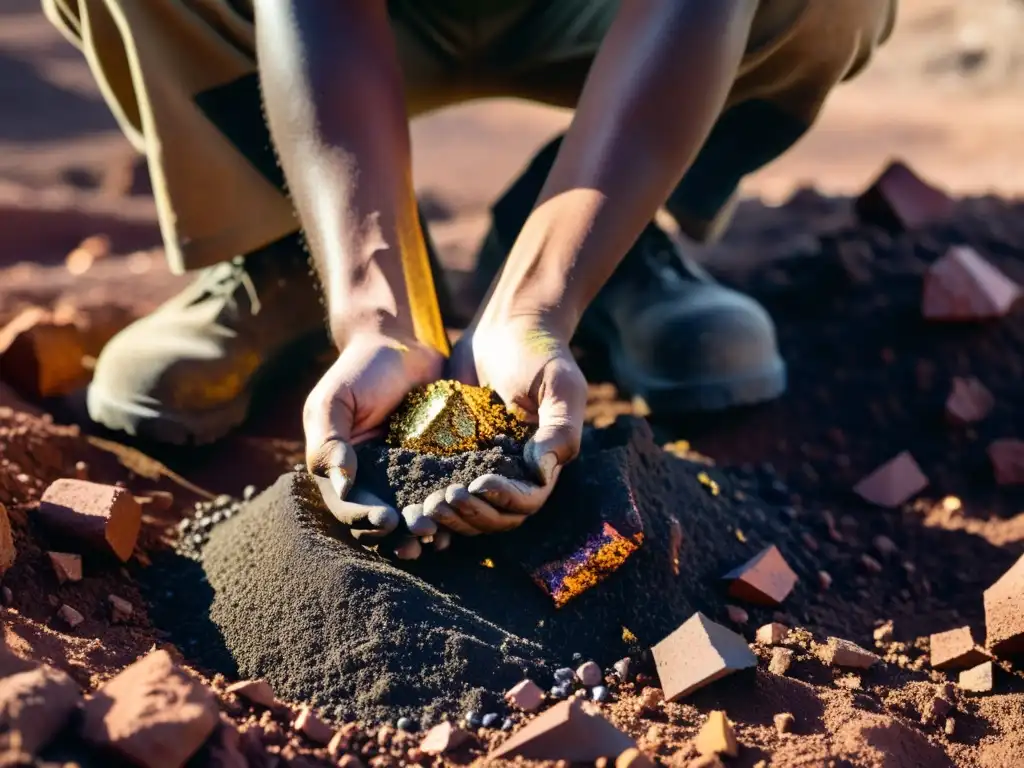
[944,95]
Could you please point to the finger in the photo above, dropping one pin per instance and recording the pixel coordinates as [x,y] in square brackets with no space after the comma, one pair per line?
[363,513]
[478,513]
[417,521]
[437,508]
[410,549]
[515,496]
[336,460]
[442,540]
[561,402]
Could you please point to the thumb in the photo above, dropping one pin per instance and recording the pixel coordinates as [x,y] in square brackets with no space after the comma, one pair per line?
[561,403]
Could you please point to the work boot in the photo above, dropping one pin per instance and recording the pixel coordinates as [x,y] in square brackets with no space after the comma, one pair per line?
[671,334]
[186,372]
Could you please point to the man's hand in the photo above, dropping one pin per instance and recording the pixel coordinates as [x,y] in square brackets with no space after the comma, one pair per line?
[350,404]
[534,373]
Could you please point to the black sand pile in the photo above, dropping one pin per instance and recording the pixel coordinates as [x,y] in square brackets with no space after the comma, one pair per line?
[329,622]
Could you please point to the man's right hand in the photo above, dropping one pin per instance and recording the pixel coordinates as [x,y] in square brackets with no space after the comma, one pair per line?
[350,404]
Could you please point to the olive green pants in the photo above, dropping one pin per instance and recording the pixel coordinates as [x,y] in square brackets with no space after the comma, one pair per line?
[181,78]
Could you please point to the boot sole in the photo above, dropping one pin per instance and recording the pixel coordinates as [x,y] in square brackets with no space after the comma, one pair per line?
[665,397]
[171,427]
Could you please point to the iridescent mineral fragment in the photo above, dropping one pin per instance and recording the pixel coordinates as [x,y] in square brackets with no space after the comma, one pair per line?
[449,417]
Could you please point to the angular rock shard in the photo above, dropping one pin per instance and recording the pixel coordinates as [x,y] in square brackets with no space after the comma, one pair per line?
[772,634]
[842,653]
[42,356]
[254,691]
[901,200]
[893,483]
[1004,613]
[969,401]
[443,738]
[66,566]
[70,616]
[964,286]
[35,705]
[766,579]
[955,649]
[7,551]
[567,731]
[698,653]
[1007,457]
[153,714]
[309,724]
[525,695]
[716,736]
[105,517]
[977,679]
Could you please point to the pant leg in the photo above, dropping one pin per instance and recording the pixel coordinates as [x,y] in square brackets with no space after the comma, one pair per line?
[180,76]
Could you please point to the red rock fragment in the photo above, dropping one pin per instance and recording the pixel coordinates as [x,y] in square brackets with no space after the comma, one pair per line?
[963,286]
[70,616]
[254,691]
[312,727]
[899,199]
[1004,612]
[7,551]
[105,517]
[525,695]
[120,609]
[633,758]
[772,634]
[153,714]
[716,736]
[955,649]
[1007,457]
[66,566]
[977,679]
[35,704]
[842,653]
[969,401]
[41,356]
[698,653]
[443,738]
[568,731]
[737,615]
[893,483]
[766,579]
[784,722]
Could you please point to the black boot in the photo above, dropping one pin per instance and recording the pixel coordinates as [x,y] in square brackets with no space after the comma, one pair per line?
[672,335]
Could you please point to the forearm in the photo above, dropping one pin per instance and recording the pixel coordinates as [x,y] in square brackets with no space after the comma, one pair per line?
[653,94]
[335,105]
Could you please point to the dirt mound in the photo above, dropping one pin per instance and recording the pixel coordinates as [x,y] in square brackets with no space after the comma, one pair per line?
[294,600]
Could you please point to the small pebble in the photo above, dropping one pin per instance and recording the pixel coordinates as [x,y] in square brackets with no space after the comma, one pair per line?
[560,692]
[784,722]
[650,698]
[736,614]
[589,674]
[490,720]
[599,693]
[564,675]
[472,720]
[248,492]
[824,579]
[781,660]
[950,727]
[508,724]
[621,668]
[406,724]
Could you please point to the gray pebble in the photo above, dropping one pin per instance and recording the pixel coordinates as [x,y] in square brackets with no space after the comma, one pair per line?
[490,720]
[599,693]
[406,724]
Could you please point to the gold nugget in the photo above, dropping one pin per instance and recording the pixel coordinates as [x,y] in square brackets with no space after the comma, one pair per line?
[449,417]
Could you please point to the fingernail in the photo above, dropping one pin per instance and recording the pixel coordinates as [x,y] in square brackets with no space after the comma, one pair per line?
[547,465]
[340,481]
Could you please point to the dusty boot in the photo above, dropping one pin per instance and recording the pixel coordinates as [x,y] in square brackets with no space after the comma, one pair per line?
[672,335]
[186,373]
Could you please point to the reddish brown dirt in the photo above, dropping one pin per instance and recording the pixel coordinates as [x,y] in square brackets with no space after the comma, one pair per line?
[868,380]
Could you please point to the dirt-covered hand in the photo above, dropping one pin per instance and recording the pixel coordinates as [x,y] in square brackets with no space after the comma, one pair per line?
[350,404]
[536,376]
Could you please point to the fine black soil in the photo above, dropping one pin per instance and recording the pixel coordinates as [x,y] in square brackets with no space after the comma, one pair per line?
[329,622]
[401,477]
